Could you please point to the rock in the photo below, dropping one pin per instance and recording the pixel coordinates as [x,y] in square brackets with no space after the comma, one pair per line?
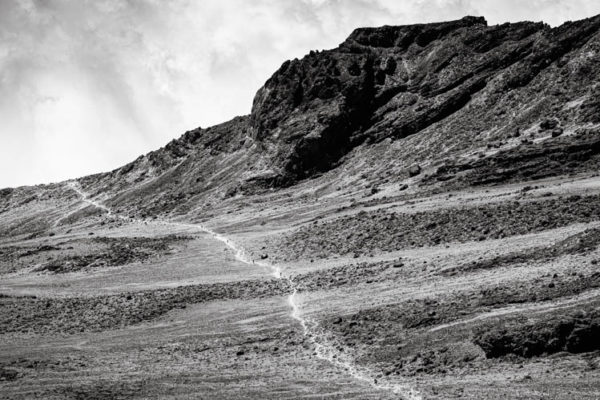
[548,124]
[403,187]
[8,374]
[231,191]
[264,256]
[414,170]
[557,132]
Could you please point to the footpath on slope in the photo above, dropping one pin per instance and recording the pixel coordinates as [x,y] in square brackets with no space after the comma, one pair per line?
[324,350]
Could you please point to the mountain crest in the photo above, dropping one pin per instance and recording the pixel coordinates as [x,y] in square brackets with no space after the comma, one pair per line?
[404,35]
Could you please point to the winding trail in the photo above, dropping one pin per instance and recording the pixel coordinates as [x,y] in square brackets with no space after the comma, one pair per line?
[324,350]
[84,197]
[73,186]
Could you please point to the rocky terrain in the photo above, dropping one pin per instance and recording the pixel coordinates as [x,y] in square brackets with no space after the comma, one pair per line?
[413,214]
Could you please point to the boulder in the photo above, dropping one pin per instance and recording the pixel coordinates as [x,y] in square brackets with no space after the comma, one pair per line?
[548,123]
[414,170]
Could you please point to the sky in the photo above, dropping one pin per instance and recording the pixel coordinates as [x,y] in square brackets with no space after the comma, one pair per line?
[89,85]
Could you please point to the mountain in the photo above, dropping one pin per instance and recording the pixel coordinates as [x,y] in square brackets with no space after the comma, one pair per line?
[414,212]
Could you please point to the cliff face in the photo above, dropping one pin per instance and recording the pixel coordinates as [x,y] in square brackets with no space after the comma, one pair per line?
[394,82]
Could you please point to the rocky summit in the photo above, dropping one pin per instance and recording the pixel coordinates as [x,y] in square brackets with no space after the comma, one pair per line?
[414,214]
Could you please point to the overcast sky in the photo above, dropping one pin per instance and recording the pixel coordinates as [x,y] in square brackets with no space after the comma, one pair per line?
[86,86]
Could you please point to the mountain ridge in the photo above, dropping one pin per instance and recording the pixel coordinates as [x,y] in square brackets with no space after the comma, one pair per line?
[313,135]
[380,84]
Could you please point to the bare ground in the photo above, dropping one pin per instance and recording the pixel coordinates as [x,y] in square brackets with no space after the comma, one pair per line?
[160,309]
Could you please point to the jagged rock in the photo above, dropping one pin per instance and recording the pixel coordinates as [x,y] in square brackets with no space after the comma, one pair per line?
[394,81]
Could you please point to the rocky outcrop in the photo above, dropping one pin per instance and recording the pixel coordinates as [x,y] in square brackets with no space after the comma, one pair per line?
[394,81]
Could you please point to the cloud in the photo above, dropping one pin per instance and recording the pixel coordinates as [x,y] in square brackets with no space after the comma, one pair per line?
[89,85]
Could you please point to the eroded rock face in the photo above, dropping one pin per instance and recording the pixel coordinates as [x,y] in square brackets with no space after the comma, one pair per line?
[394,81]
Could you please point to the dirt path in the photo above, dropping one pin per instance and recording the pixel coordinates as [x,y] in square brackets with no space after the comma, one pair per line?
[87,199]
[323,349]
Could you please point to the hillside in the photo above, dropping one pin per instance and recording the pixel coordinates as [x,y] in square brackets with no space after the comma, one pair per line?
[413,214]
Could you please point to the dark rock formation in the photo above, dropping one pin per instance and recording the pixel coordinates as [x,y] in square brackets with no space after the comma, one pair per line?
[394,81]
[414,170]
[576,333]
